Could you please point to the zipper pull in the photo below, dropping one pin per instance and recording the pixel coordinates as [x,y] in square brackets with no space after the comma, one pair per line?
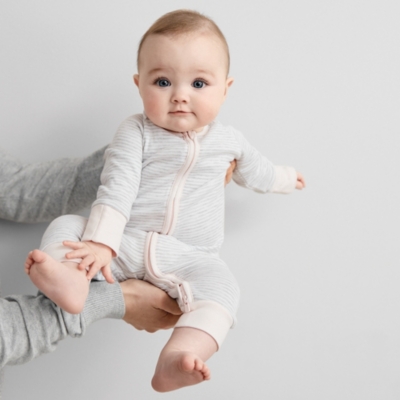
[183,297]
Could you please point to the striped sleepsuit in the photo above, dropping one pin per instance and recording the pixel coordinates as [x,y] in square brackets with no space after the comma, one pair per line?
[160,208]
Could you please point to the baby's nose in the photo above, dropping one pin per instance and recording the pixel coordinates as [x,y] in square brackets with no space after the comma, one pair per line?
[180,95]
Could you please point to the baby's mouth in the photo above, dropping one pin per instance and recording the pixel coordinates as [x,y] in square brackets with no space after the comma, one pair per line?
[179,112]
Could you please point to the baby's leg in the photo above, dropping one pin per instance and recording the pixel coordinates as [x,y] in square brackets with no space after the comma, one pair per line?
[61,282]
[54,275]
[182,361]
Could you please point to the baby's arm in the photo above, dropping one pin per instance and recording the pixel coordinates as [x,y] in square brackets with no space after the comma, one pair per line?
[287,179]
[256,172]
[120,181]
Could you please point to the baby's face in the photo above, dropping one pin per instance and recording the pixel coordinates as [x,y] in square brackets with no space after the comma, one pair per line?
[182,80]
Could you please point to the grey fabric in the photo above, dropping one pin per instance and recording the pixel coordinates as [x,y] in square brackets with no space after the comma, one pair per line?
[33,325]
[43,191]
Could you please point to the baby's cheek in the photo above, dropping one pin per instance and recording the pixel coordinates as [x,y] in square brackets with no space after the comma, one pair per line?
[152,107]
[210,113]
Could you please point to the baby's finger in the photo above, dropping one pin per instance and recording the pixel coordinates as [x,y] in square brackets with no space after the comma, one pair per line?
[73,245]
[299,185]
[106,271]
[300,178]
[93,270]
[86,262]
[81,253]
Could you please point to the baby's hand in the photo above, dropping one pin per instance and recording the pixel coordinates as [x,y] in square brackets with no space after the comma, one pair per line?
[95,257]
[301,183]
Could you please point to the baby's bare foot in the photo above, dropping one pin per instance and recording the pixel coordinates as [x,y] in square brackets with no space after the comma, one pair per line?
[179,369]
[61,282]
[28,263]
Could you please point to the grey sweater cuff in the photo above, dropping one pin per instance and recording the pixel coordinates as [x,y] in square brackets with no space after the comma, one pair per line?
[105,300]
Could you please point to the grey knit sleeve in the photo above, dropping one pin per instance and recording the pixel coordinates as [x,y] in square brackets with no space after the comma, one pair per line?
[33,325]
[43,191]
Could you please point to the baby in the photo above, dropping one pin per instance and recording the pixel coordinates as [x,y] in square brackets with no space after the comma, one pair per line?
[159,211]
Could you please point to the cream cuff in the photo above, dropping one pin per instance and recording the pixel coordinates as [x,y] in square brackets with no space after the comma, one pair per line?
[210,317]
[105,225]
[285,180]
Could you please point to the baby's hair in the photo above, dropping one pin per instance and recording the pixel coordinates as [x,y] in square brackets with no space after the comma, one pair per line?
[183,22]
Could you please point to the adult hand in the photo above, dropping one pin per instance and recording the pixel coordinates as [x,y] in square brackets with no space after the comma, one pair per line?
[229,172]
[148,307]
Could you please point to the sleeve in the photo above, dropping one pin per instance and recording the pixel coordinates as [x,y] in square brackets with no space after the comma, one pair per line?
[33,325]
[43,191]
[120,181]
[256,172]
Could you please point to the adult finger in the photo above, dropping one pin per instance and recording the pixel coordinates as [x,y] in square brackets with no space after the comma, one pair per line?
[229,172]
[169,305]
[168,321]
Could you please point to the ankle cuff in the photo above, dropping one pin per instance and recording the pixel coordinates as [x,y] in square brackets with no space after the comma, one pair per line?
[209,317]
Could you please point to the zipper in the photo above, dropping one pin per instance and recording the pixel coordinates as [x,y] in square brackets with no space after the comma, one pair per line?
[180,286]
[177,188]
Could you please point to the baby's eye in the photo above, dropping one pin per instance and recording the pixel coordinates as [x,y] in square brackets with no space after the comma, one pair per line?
[198,84]
[163,82]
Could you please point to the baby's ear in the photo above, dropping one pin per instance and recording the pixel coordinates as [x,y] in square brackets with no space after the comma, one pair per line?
[136,79]
[229,82]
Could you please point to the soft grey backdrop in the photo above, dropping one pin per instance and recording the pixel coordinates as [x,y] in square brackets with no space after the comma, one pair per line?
[317,87]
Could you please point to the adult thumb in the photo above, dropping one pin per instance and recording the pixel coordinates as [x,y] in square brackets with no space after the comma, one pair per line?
[171,306]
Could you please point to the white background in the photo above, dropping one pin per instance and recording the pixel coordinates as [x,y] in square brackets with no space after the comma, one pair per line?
[317,87]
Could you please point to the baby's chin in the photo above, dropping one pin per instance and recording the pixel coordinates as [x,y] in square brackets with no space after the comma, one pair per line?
[179,123]
[180,128]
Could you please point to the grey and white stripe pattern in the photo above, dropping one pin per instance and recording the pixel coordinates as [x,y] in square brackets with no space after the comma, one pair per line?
[140,169]
[142,163]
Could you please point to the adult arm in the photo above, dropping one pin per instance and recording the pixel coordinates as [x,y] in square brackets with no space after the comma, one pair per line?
[33,325]
[43,191]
